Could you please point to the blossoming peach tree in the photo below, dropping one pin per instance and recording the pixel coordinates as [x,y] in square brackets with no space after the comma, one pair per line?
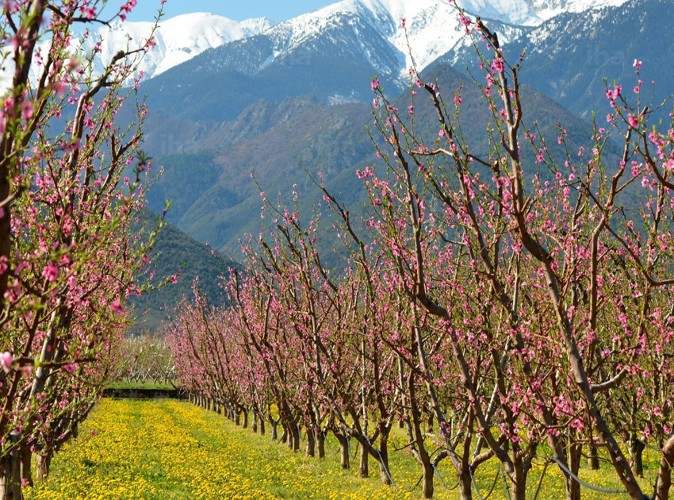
[518,290]
[71,184]
[568,256]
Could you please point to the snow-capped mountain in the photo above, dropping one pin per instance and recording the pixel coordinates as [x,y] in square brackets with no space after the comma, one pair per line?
[574,56]
[547,9]
[177,39]
[429,29]
[266,103]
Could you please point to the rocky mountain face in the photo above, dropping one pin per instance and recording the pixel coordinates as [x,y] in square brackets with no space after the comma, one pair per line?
[574,56]
[215,201]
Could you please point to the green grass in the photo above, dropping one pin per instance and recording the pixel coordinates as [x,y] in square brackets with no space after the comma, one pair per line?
[165,449]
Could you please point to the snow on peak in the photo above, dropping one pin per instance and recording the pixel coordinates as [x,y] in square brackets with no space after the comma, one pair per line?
[419,42]
[548,9]
[424,20]
[418,39]
[514,12]
[431,29]
[177,39]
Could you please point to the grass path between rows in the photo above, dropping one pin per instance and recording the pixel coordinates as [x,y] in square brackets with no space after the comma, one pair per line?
[166,449]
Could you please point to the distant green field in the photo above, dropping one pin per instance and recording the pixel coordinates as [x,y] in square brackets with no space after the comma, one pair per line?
[165,449]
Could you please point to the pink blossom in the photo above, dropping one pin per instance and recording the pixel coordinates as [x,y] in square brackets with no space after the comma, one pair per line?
[27,109]
[88,12]
[464,21]
[117,306]
[6,361]
[126,9]
[497,65]
[71,367]
[632,120]
[613,94]
[375,84]
[50,272]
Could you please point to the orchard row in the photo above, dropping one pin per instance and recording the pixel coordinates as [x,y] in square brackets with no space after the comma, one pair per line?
[519,294]
[71,187]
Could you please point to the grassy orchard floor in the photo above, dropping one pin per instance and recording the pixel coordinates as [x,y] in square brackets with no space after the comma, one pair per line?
[165,449]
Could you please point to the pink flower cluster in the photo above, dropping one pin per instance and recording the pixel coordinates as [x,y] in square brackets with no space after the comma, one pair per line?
[126,9]
[6,361]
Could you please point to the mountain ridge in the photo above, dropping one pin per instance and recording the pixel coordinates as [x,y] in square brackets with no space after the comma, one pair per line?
[181,38]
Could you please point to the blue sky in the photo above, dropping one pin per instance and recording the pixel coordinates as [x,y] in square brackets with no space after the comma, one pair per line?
[276,10]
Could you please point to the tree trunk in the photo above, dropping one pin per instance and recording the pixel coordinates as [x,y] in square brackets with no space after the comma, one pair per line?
[320,443]
[262,426]
[311,442]
[10,480]
[294,437]
[664,481]
[429,487]
[636,448]
[274,429]
[384,470]
[364,466]
[245,418]
[344,450]
[254,424]
[42,466]
[593,458]
[519,481]
[465,484]
[26,459]
[572,486]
